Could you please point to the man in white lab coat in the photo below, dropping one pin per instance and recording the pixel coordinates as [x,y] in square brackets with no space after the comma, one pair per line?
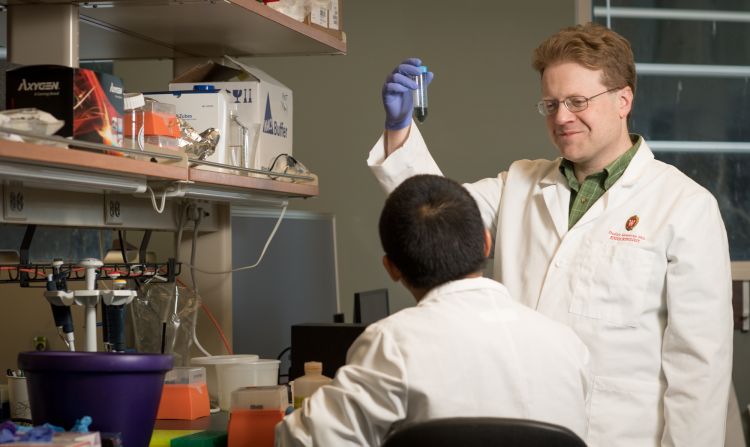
[626,250]
[466,349]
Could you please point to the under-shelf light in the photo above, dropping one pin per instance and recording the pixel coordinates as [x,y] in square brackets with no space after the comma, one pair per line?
[70,180]
[190,191]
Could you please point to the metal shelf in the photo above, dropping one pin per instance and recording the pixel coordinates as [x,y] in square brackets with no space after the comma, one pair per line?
[52,165]
[49,185]
[138,29]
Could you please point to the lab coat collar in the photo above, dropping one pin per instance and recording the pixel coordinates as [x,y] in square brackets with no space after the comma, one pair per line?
[460,286]
[637,165]
[622,188]
[556,192]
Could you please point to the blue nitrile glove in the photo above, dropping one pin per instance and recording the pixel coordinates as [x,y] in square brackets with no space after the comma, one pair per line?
[397,92]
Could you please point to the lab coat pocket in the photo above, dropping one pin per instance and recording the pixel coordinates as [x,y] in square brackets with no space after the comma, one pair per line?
[624,412]
[611,283]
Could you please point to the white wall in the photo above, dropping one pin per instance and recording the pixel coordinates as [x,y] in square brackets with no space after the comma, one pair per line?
[482,106]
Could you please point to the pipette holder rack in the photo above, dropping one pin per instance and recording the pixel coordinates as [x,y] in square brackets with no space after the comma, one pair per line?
[37,273]
[90,297]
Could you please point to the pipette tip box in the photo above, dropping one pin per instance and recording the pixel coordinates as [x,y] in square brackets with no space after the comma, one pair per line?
[185,394]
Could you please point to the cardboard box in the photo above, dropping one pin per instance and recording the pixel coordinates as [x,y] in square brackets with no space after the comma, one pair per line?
[264,106]
[90,103]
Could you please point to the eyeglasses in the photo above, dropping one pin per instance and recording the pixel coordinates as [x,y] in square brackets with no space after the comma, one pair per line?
[574,104]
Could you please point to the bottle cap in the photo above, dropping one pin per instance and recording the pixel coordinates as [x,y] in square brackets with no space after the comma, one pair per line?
[133,101]
[423,68]
[313,368]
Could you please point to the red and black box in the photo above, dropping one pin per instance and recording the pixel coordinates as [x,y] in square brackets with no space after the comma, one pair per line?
[90,102]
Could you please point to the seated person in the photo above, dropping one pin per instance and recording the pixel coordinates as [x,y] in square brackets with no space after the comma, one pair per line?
[467,349]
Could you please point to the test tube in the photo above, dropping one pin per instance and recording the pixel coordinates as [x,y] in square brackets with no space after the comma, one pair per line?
[420,95]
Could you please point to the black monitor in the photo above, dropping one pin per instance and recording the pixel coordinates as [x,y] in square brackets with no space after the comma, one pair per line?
[327,343]
[371,306]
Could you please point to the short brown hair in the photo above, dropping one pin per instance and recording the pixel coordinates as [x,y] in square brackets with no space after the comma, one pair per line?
[592,46]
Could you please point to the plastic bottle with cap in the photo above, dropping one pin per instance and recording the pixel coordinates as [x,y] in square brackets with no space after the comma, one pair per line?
[305,385]
[135,112]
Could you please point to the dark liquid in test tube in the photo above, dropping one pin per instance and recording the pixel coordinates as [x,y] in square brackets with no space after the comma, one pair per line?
[420,95]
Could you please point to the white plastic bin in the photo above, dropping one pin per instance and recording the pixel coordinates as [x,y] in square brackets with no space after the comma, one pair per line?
[211,374]
[232,376]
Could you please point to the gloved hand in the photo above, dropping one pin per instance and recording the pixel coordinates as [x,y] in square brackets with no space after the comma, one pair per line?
[397,93]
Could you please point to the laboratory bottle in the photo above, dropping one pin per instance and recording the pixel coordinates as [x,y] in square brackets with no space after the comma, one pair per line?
[135,114]
[305,385]
[420,95]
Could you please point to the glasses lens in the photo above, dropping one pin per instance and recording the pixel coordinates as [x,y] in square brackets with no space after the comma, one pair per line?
[547,107]
[576,103]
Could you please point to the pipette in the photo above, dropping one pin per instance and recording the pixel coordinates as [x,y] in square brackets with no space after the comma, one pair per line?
[61,313]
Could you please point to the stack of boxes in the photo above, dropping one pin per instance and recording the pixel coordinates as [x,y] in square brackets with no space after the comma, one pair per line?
[251,110]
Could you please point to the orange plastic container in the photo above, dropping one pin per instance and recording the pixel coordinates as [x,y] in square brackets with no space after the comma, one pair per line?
[184,401]
[253,427]
[156,119]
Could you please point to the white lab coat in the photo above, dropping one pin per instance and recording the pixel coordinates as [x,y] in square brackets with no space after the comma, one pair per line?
[467,349]
[652,303]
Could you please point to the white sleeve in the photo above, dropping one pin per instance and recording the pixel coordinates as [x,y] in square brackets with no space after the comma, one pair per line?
[411,159]
[367,396]
[697,346]
[487,193]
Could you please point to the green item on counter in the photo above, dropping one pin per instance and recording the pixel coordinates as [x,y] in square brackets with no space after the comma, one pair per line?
[201,439]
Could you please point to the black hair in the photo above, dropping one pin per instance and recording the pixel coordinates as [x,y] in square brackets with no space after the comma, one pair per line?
[431,230]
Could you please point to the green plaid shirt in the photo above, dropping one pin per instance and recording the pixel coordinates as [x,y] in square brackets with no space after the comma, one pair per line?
[583,195]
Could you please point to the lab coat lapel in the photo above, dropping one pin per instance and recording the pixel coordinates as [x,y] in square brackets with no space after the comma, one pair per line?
[557,198]
[623,188]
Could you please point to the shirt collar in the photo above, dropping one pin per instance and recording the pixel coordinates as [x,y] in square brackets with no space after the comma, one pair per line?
[462,285]
[609,175]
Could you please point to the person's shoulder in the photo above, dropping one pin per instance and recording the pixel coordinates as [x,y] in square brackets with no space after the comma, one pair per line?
[534,317]
[681,186]
[532,171]
[555,333]
[539,164]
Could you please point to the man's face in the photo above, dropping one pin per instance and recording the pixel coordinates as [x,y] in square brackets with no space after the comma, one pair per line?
[594,137]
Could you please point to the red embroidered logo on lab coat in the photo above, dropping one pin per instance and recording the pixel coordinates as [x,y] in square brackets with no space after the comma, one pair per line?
[631,222]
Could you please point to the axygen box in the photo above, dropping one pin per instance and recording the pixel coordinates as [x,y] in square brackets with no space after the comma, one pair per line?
[263,104]
[90,102]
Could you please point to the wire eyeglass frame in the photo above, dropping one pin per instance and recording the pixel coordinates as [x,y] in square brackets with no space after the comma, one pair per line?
[574,104]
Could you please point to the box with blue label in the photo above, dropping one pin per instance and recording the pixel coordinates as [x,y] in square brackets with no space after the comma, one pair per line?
[263,108]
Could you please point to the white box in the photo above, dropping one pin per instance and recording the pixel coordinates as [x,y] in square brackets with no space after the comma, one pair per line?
[264,105]
[203,109]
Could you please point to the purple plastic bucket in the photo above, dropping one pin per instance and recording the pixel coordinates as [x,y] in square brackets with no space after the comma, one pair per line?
[121,392]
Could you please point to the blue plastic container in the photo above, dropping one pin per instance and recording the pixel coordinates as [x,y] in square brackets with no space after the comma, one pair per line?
[120,392]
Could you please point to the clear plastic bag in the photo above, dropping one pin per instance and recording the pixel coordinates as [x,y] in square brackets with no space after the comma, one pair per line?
[163,318]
